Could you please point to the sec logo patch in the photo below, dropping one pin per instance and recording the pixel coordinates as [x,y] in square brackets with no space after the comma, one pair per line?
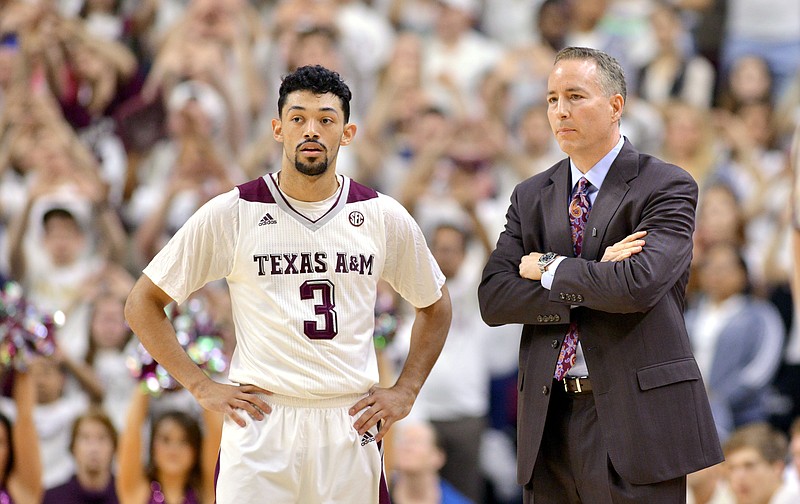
[356,218]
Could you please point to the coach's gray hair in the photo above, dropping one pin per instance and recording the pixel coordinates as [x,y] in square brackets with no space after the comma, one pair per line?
[612,77]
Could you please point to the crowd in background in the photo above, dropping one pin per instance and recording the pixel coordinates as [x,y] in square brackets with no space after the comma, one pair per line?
[119,118]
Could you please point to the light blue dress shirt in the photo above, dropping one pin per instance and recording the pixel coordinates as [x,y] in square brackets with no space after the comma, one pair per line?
[596,175]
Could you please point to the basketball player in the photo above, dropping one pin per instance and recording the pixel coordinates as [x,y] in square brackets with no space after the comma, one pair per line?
[302,251]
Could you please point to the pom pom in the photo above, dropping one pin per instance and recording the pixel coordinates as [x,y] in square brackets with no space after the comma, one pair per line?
[198,336]
[25,331]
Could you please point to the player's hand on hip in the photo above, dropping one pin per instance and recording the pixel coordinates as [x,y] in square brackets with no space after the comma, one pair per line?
[385,405]
[232,400]
[628,246]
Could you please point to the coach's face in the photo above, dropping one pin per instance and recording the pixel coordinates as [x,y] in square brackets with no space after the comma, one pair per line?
[311,129]
[584,120]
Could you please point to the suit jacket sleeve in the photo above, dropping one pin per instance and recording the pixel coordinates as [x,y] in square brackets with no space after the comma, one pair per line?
[505,297]
[638,283]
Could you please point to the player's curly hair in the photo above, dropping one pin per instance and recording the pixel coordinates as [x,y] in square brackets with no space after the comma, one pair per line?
[319,80]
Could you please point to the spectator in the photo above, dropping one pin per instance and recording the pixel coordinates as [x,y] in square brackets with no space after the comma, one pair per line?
[417,16]
[736,338]
[103,70]
[108,338]
[418,459]
[455,177]
[750,80]
[92,444]
[182,171]
[755,460]
[367,40]
[513,23]
[54,257]
[20,459]
[54,414]
[535,150]
[397,120]
[589,26]
[708,486]
[456,59]
[719,220]
[689,141]
[521,75]
[769,29]
[455,398]
[181,460]
[104,19]
[671,73]
[757,170]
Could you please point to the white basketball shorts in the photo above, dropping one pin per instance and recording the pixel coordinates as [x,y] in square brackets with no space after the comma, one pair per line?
[305,451]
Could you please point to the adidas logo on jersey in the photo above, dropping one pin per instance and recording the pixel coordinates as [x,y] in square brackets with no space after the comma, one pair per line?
[366,439]
[267,219]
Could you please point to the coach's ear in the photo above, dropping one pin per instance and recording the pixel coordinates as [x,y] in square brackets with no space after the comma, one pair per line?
[277,130]
[348,134]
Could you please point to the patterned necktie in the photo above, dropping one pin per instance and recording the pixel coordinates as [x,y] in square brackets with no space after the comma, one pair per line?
[578,214]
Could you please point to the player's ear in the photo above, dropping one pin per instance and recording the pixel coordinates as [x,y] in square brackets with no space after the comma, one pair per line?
[348,134]
[277,130]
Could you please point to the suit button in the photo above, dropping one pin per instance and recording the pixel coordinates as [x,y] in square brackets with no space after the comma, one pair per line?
[557,318]
[580,298]
[540,318]
[562,296]
[545,390]
[549,318]
[554,344]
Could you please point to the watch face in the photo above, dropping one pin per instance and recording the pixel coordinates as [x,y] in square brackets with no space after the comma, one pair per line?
[545,260]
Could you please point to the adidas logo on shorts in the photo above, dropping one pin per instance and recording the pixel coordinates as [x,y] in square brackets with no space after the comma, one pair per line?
[267,219]
[367,438]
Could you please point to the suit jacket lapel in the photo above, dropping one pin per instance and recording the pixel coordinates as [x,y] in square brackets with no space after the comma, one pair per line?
[615,186]
[555,206]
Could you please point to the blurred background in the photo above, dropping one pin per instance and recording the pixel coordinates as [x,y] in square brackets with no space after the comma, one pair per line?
[119,118]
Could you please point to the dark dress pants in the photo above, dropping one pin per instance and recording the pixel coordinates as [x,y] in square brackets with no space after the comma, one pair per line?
[573,467]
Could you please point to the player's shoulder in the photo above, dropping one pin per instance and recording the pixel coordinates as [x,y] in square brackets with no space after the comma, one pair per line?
[358,192]
[255,191]
[392,210]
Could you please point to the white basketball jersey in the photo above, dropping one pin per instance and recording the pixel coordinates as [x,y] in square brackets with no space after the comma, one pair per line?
[303,291]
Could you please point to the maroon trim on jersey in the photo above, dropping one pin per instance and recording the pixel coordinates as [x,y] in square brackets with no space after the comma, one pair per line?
[216,472]
[383,491]
[333,207]
[256,191]
[360,192]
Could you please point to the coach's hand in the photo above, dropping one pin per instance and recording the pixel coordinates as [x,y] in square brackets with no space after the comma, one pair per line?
[385,405]
[232,399]
[630,245]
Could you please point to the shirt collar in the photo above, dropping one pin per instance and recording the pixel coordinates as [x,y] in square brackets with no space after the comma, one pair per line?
[597,173]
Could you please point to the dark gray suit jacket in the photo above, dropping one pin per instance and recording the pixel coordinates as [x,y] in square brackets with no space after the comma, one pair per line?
[651,403]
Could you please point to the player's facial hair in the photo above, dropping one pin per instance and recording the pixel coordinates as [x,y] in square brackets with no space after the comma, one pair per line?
[312,169]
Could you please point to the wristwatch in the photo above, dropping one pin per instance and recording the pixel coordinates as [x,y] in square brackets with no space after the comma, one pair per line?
[546,260]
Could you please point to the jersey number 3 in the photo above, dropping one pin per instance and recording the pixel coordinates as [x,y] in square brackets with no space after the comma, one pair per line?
[324,307]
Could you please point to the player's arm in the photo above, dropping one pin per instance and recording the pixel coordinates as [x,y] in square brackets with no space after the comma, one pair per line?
[144,311]
[389,405]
